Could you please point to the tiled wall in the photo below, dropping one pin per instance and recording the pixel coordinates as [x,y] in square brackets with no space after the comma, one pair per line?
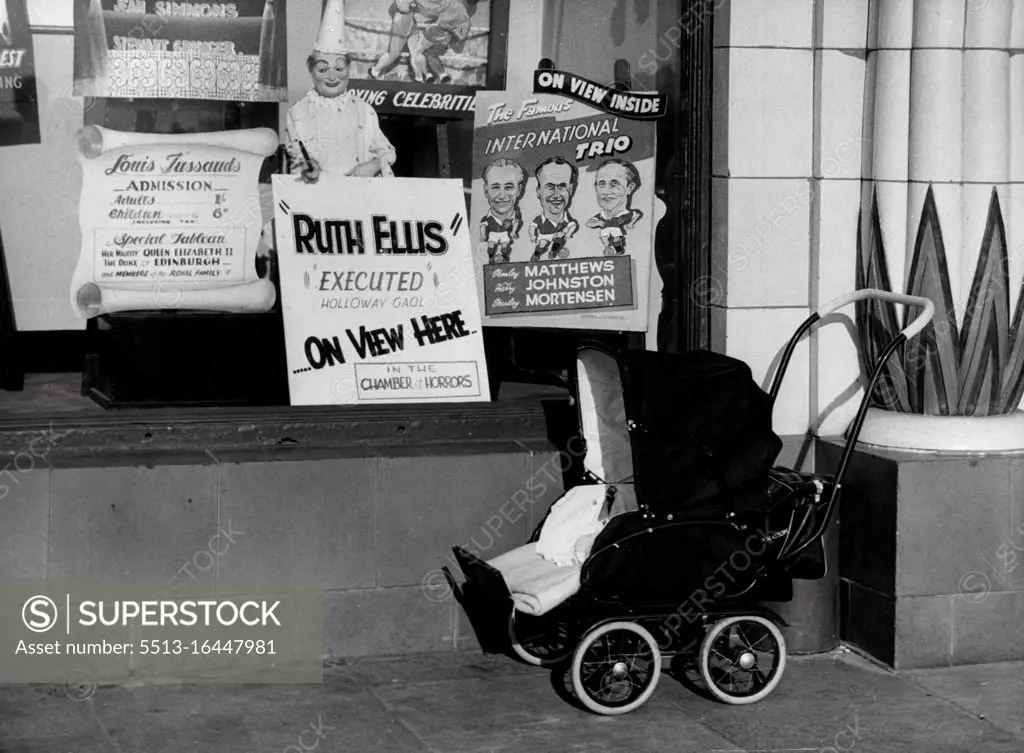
[787,153]
[928,542]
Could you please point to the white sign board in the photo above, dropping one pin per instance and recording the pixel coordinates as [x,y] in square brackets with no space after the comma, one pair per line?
[377,288]
[170,222]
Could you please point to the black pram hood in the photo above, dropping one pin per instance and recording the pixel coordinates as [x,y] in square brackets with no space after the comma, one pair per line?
[701,431]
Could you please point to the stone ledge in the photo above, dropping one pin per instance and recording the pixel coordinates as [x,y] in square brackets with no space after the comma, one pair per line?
[188,434]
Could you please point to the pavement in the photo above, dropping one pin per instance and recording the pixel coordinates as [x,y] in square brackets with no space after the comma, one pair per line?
[466,701]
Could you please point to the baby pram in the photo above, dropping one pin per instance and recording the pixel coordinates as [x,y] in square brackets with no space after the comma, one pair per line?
[685,529]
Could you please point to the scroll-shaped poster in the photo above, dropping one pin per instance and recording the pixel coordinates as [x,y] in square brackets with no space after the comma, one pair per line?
[377,292]
[170,222]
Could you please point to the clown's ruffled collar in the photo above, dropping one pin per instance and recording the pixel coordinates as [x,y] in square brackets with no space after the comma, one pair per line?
[329,103]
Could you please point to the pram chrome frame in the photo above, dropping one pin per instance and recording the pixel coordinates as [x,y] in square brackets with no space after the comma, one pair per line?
[582,621]
[910,331]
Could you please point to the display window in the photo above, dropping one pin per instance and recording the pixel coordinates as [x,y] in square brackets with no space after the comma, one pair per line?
[160,137]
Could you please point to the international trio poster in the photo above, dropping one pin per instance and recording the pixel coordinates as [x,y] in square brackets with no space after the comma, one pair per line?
[564,208]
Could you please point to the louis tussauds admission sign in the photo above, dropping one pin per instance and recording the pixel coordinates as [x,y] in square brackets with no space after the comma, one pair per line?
[170,222]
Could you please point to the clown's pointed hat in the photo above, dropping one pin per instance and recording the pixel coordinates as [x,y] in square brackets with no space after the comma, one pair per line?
[331,40]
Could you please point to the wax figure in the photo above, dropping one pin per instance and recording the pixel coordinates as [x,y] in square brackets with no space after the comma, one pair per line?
[557,179]
[504,184]
[329,132]
[340,133]
[615,183]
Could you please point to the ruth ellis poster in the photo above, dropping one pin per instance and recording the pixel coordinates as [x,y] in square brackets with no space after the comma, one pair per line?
[235,51]
[563,212]
[377,293]
[19,109]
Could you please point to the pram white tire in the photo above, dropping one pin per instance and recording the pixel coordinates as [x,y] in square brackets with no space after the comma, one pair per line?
[519,649]
[653,670]
[715,632]
[556,645]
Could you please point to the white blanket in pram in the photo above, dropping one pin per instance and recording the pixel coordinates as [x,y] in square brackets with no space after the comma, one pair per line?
[543,574]
[572,524]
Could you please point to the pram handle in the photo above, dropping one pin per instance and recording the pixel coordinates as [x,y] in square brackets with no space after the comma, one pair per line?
[876,369]
[912,329]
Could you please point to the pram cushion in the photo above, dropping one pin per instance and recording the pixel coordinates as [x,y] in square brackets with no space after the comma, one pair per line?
[573,523]
[537,585]
[543,574]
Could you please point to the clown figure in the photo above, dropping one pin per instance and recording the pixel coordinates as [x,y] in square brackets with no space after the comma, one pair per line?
[504,184]
[340,133]
[328,131]
[557,179]
[615,183]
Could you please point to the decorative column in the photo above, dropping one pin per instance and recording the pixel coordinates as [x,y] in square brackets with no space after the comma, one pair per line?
[944,121]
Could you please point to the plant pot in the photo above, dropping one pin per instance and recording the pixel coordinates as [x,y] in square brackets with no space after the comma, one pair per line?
[913,432]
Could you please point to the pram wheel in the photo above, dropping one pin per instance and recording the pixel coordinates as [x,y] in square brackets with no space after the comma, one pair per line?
[742,659]
[616,668]
[537,640]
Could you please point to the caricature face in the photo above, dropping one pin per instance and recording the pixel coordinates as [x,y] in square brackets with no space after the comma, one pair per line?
[614,187]
[330,74]
[554,189]
[502,188]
